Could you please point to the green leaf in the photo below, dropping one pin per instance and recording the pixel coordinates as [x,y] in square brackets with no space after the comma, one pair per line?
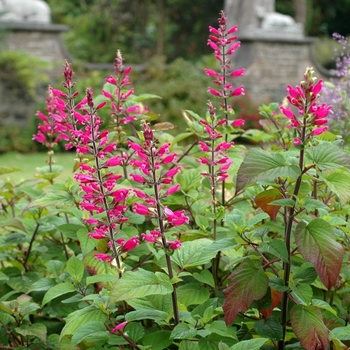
[341,333]
[183,331]
[205,277]
[252,344]
[269,328]
[87,330]
[81,317]
[308,326]
[276,247]
[246,284]
[138,284]
[70,230]
[43,284]
[100,278]
[7,170]
[189,179]
[339,183]
[302,293]
[192,294]
[192,253]
[158,340]
[188,345]
[58,199]
[145,96]
[139,315]
[86,242]
[37,329]
[316,243]
[321,304]
[58,290]
[259,165]
[219,327]
[306,275]
[328,156]
[75,268]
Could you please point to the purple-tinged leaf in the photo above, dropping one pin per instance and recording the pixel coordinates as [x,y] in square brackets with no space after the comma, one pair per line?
[308,326]
[316,243]
[246,284]
[263,200]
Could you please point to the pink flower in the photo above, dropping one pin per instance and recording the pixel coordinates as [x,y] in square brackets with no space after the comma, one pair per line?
[204,147]
[103,257]
[214,92]
[296,142]
[174,245]
[170,158]
[238,91]
[319,131]
[238,72]
[238,123]
[287,112]
[178,218]
[224,146]
[138,178]
[130,244]
[152,237]
[172,172]
[172,189]
[119,327]
[140,209]
[210,72]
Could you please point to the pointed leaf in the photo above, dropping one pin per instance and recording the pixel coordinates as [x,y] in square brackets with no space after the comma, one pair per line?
[308,326]
[276,297]
[58,290]
[259,165]
[269,328]
[263,200]
[75,268]
[316,243]
[328,156]
[276,247]
[192,294]
[192,253]
[37,329]
[183,331]
[52,198]
[246,284]
[251,344]
[339,183]
[87,330]
[138,284]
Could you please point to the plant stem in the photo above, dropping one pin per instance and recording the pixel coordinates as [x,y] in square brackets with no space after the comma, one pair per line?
[31,246]
[164,241]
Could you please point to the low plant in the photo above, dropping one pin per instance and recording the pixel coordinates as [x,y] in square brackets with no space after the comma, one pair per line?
[153,245]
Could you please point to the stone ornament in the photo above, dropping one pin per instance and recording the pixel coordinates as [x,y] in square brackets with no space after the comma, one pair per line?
[25,11]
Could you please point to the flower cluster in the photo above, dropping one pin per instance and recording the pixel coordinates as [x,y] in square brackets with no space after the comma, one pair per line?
[150,159]
[118,93]
[224,45]
[311,117]
[216,159]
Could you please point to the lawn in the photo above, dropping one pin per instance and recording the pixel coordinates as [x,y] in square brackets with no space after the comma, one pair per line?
[30,161]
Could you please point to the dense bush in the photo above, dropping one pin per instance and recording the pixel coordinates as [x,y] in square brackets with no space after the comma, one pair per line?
[156,245]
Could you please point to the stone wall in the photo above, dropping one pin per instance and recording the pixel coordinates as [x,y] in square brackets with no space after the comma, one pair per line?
[272,64]
[17,106]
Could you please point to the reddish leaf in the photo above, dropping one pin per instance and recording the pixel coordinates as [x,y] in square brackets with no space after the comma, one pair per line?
[263,199]
[308,326]
[276,297]
[246,284]
[316,243]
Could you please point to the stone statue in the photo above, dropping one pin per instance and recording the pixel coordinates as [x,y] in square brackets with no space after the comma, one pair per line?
[257,18]
[25,11]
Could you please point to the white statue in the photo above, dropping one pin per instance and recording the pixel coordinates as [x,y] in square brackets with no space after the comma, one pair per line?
[30,11]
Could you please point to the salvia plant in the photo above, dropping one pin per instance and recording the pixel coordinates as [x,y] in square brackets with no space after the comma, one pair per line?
[159,243]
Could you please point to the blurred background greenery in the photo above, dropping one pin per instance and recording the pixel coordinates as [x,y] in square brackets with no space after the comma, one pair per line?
[166,40]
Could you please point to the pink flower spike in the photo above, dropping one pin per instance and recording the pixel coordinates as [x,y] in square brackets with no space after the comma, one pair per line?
[114,161]
[101,105]
[318,87]
[173,245]
[238,123]
[232,30]
[127,70]
[203,160]
[140,194]
[287,112]
[140,209]
[238,72]
[138,178]
[172,172]
[204,147]
[103,257]
[232,49]
[96,235]
[119,327]
[213,30]
[130,244]
[136,147]
[173,189]
[238,91]
[296,142]
[319,131]
[111,80]
[170,158]
[214,92]
[210,72]
[223,146]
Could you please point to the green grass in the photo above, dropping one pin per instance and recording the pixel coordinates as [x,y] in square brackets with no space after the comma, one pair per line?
[30,161]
